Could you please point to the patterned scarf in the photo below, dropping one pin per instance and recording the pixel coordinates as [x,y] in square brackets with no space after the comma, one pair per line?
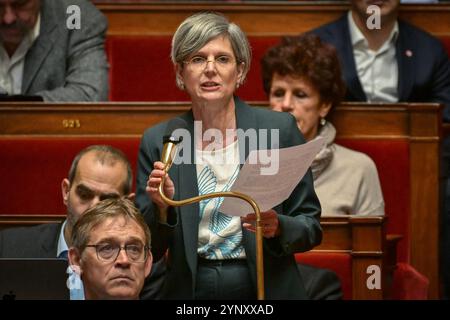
[323,158]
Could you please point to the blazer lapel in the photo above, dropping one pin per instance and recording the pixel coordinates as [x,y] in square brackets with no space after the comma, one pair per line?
[40,49]
[406,64]
[245,120]
[354,87]
[187,187]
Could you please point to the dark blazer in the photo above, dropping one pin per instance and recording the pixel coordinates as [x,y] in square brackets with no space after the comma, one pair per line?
[299,215]
[423,75]
[64,64]
[30,242]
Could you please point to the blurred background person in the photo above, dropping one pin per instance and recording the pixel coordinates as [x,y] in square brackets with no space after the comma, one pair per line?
[302,76]
[395,62]
[46,51]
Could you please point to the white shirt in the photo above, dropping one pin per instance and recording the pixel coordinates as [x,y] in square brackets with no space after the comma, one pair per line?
[11,68]
[219,235]
[377,70]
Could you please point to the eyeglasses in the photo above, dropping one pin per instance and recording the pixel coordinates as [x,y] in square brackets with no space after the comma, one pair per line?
[199,63]
[109,252]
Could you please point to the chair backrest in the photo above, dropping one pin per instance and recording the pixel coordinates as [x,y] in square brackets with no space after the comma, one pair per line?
[392,160]
[141,69]
[340,263]
[32,169]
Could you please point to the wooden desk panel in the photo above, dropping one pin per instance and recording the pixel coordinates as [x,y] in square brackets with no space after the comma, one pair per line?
[256,18]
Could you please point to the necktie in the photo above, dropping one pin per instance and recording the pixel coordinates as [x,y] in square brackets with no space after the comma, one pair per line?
[64,255]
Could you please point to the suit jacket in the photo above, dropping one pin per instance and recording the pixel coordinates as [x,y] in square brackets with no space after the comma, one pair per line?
[30,242]
[64,64]
[423,64]
[298,215]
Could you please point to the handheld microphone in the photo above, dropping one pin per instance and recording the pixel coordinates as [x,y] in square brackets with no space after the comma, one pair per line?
[170,142]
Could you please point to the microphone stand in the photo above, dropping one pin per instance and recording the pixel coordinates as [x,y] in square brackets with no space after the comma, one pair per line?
[168,153]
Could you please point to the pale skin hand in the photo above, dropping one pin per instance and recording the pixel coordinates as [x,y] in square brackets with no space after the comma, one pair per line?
[153,183]
[269,222]
[269,219]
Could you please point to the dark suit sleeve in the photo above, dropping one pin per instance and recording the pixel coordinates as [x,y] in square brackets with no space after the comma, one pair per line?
[148,154]
[320,284]
[86,76]
[299,215]
[441,82]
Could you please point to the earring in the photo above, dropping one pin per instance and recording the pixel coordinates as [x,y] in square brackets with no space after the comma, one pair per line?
[322,121]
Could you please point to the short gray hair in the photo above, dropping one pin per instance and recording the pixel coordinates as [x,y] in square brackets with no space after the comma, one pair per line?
[197,30]
[109,208]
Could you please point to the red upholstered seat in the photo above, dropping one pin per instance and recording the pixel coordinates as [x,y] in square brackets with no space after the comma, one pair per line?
[340,263]
[141,69]
[31,170]
[408,283]
[392,160]
[446,42]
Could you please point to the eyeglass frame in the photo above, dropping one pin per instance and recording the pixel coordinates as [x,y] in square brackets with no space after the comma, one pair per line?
[206,61]
[146,250]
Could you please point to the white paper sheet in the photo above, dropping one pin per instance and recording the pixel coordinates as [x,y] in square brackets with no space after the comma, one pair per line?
[269,190]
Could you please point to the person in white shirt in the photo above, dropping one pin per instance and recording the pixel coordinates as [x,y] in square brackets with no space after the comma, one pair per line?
[391,62]
[418,72]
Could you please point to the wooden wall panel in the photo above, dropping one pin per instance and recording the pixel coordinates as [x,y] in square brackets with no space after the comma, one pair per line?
[256,18]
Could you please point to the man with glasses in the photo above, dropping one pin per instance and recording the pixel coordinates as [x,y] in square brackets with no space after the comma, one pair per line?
[111,250]
[98,172]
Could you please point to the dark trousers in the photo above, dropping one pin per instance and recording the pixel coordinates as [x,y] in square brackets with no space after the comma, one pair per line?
[320,284]
[224,280]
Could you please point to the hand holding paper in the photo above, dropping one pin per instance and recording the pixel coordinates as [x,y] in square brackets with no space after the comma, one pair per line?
[269,190]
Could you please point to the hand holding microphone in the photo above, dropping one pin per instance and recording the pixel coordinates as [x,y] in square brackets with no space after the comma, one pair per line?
[161,168]
[155,180]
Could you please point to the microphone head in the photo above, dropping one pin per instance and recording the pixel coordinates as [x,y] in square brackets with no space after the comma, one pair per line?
[172,125]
